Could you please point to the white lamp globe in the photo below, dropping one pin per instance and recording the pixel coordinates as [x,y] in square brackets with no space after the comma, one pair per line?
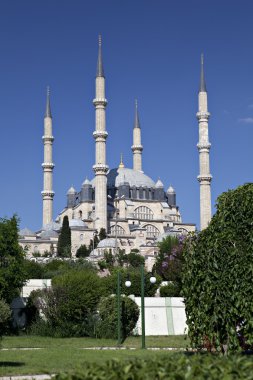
[128,283]
[152,280]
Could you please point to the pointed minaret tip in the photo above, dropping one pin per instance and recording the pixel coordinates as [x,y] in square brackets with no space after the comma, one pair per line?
[136,120]
[100,69]
[48,108]
[121,165]
[202,87]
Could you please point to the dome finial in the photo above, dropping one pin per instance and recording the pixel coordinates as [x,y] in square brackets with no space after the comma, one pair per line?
[202,87]
[48,108]
[121,165]
[100,69]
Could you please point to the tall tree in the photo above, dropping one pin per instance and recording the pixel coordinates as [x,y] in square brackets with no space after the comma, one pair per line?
[12,260]
[102,234]
[64,240]
[217,275]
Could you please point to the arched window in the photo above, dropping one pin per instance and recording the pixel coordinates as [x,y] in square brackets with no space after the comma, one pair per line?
[120,230]
[80,214]
[35,249]
[143,212]
[81,236]
[152,231]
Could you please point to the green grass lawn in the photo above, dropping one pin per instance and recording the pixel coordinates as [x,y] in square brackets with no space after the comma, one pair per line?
[59,355]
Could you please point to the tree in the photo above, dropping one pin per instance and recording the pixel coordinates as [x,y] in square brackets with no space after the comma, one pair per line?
[12,258]
[64,240]
[102,234]
[217,275]
[134,259]
[82,251]
[5,314]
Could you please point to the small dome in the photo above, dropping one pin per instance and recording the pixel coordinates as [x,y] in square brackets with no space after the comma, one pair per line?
[76,223]
[71,190]
[51,226]
[170,232]
[86,182]
[48,234]
[107,243]
[159,184]
[170,189]
[26,232]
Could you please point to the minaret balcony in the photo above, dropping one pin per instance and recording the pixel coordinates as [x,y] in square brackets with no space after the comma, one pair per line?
[47,194]
[100,102]
[203,116]
[100,168]
[137,147]
[205,178]
[100,134]
[48,138]
[204,147]
[47,165]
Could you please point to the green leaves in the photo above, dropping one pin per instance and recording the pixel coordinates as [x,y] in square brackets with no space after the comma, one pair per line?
[217,274]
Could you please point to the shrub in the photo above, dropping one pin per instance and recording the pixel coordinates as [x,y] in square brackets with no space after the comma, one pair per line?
[169,367]
[82,251]
[5,314]
[170,290]
[33,269]
[108,317]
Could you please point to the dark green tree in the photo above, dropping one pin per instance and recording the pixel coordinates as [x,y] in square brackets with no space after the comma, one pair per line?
[217,275]
[82,251]
[102,234]
[134,259]
[64,240]
[12,258]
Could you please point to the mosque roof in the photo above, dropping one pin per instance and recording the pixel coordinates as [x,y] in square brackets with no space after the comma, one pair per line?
[107,243]
[26,232]
[76,223]
[48,234]
[117,176]
[51,226]
[170,232]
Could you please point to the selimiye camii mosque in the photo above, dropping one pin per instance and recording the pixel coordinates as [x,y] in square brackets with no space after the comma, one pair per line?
[135,210]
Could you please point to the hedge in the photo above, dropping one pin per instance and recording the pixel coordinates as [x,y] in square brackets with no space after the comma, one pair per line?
[170,367]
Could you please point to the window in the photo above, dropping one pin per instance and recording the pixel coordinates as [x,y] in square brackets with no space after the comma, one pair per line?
[80,214]
[81,237]
[143,212]
[152,231]
[120,230]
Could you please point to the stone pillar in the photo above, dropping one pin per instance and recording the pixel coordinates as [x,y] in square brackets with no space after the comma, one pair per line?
[204,145]
[48,166]
[100,168]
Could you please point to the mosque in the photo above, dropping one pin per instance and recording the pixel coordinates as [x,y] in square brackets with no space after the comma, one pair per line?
[135,210]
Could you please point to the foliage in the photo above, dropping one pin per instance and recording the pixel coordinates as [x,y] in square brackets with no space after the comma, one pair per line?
[64,240]
[134,259]
[5,314]
[82,251]
[102,234]
[109,258]
[108,317]
[217,275]
[33,269]
[67,306]
[166,367]
[12,273]
[170,290]
[134,275]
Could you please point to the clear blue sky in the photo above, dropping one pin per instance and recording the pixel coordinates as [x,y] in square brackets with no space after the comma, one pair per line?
[151,51]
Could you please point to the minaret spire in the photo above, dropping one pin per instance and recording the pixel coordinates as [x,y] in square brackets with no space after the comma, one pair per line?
[204,146]
[100,69]
[48,108]
[202,87]
[100,168]
[137,148]
[48,165]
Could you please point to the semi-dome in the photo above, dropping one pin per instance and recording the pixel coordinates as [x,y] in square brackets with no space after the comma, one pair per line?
[117,176]
[26,232]
[76,223]
[51,226]
[48,234]
[107,243]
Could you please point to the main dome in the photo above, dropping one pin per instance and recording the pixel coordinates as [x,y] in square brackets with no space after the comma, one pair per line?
[117,176]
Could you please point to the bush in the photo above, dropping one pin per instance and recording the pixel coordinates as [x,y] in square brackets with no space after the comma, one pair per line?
[82,251]
[108,317]
[33,269]
[68,305]
[169,367]
[5,314]
[170,290]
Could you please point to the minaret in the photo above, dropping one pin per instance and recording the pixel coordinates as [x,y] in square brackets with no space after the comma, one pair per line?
[48,165]
[137,148]
[204,145]
[100,168]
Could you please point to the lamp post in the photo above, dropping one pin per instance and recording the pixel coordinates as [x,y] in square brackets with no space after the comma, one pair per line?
[128,284]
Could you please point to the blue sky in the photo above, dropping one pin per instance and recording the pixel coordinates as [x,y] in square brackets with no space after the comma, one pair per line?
[151,51]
